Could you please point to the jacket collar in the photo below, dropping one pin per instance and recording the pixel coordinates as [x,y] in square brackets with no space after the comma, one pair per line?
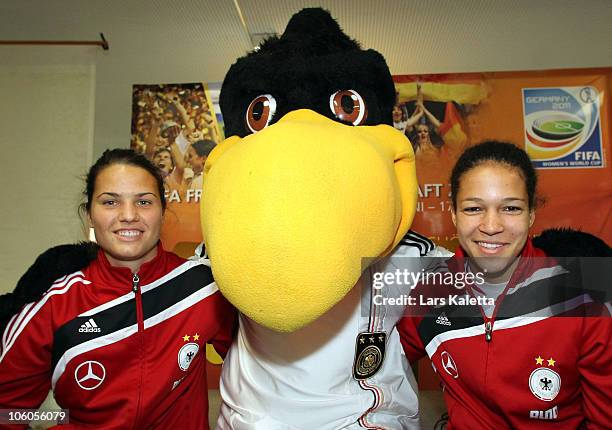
[122,276]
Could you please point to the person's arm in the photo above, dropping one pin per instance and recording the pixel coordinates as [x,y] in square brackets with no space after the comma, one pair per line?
[595,369]
[223,311]
[224,337]
[407,327]
[421,106]
[151,139]
[179,162]
[185,119]
[434,121]
[25,358]
[414,118]
[50,265]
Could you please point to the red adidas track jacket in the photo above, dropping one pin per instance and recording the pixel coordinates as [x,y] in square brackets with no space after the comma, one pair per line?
[119,350]
[547,363]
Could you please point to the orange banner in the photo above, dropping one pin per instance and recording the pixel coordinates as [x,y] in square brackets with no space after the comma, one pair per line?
[561,117]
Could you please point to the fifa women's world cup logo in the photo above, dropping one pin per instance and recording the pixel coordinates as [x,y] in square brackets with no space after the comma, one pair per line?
[562,127]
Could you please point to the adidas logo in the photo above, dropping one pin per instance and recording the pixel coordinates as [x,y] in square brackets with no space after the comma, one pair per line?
[442,319]
[89,327]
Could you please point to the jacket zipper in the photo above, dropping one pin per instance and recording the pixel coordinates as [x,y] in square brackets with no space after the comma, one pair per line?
[488,331]
[488,326]
[140,322]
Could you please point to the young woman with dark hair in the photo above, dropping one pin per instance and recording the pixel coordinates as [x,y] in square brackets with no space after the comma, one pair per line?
[122,343]
[515,347]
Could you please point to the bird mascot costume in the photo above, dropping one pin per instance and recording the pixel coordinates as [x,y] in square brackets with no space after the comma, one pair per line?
[313,192]
[309,197]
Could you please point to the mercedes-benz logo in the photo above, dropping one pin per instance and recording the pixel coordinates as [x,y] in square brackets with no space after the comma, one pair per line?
[449,364]
[89,375]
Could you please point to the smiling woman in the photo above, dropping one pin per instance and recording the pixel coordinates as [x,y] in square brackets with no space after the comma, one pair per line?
[121,342]
[126,213]
[493,191]
[501,355]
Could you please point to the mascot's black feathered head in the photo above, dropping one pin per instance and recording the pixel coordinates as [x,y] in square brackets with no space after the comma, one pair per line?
[302,69]
[313,183]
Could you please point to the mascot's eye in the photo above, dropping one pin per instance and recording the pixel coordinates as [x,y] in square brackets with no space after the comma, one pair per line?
[260,112]
[348,106]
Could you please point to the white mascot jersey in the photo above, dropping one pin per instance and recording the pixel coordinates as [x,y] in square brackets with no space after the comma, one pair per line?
[304,379]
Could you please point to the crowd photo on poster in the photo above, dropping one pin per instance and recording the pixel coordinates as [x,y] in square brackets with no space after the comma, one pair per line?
[174,126]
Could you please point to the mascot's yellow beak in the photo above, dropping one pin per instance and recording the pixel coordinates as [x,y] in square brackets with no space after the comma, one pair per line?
[293,214]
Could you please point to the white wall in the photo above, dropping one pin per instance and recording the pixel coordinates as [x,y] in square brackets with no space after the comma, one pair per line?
[46,141]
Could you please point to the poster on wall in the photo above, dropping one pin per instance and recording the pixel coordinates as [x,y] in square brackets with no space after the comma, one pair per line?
[560,117]
[562,127]
[176,126]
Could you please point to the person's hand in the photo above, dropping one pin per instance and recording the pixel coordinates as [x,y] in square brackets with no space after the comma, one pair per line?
[195,136]
[157,112]
[148,99]
[160,144]
[172,97]
[419,94]
[414,118]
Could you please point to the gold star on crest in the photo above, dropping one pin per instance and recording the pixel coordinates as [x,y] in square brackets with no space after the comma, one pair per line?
[186,338]
[196,337]
[551,362]
[539,360]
